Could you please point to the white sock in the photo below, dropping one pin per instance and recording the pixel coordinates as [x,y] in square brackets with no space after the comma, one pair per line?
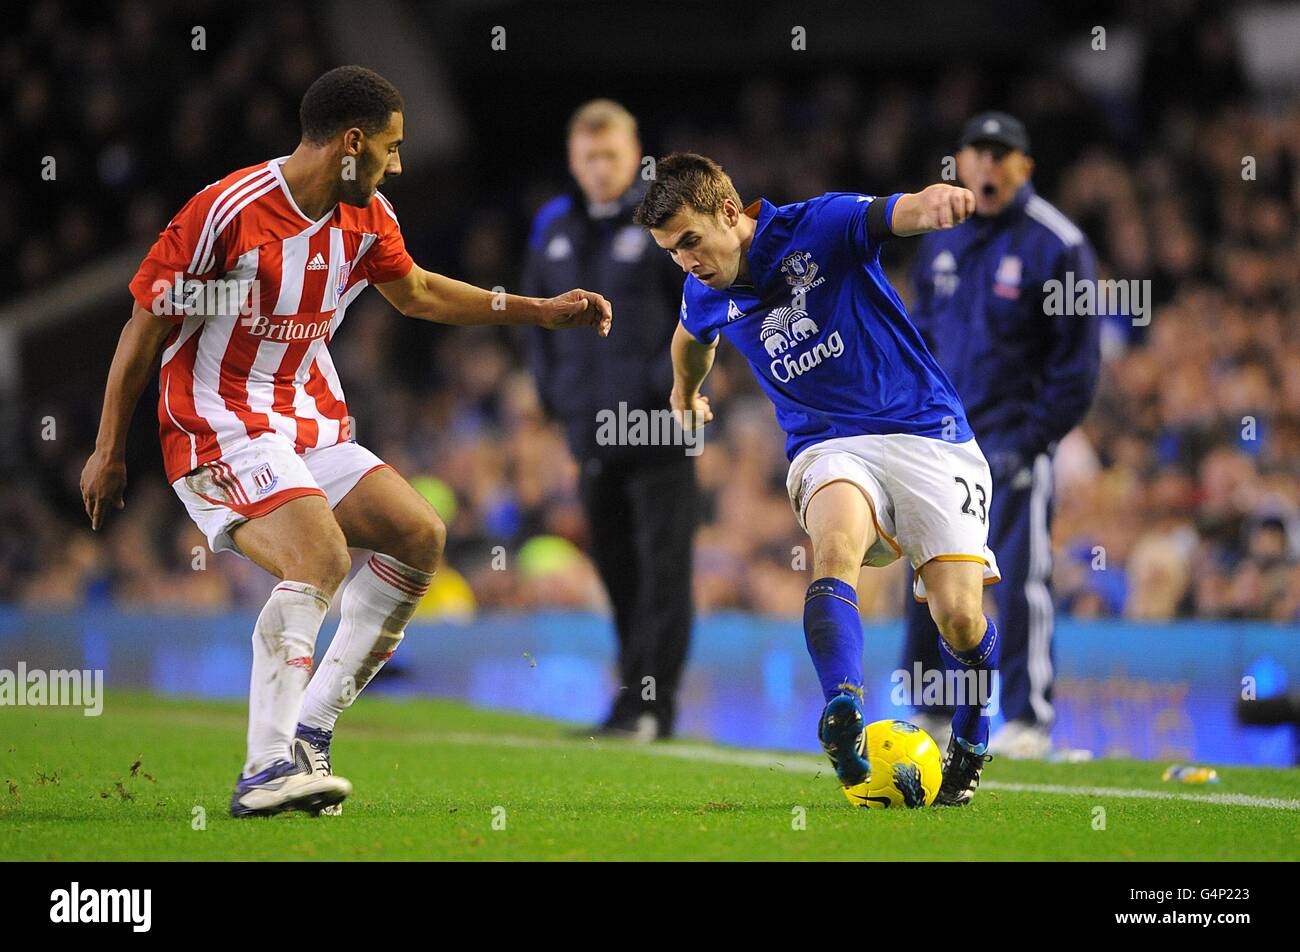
[284,639]
[377,604]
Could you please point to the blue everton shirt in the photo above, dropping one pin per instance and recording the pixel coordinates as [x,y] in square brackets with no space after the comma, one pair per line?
[825,333]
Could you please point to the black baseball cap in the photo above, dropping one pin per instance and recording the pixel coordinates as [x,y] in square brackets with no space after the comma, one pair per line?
[996,127]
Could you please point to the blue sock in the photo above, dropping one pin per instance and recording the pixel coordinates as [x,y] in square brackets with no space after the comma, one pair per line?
[967,723]
[833,630]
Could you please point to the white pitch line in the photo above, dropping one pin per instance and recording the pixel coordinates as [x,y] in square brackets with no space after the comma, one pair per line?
[1223,799]
[801,763]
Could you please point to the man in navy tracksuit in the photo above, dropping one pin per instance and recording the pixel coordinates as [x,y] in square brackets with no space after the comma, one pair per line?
[640,498]
[1026,378]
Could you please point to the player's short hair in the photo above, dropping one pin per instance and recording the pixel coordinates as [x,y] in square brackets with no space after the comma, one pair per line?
[597,115]
[344,97]
[684,180]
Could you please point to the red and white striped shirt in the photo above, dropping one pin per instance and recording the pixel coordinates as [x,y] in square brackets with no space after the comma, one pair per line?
[255,361]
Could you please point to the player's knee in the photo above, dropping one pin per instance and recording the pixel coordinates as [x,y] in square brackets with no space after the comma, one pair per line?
[836,554]
[325,565]
[423,541]
[334,565]
[961,624]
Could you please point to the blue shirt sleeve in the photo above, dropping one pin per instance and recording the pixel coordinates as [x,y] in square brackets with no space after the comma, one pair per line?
[846,212]
[694,318]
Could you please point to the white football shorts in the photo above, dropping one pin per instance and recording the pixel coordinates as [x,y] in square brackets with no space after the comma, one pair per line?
[262,474]
[929,498]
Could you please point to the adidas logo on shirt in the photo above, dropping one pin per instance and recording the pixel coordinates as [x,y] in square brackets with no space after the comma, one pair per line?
[317,263]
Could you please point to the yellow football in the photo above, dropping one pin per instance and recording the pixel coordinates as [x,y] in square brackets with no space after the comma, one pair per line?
[906,766]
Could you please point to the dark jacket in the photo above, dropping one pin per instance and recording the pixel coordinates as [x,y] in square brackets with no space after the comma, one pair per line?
[578,373]
[1025,377]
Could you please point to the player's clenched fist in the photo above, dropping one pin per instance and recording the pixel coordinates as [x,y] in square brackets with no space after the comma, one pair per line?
[943,206]
[579,308]
[103,482]
[692,412]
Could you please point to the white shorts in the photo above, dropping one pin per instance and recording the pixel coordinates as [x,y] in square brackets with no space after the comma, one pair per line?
[262,474]
[929,498]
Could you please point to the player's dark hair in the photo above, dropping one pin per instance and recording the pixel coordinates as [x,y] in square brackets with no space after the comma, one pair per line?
[684,180]
[344,97]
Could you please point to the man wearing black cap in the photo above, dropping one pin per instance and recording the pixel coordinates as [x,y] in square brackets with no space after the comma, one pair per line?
[1027,378]
[640,498]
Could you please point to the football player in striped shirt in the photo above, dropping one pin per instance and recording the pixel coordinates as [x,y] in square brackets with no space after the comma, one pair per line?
[241,295]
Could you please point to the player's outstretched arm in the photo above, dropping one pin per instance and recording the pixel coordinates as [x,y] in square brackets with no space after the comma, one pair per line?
[103,480]
[933,208]
[692,362]
[433,297]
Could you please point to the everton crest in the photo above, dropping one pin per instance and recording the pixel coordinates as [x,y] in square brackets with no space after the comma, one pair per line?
[799,269]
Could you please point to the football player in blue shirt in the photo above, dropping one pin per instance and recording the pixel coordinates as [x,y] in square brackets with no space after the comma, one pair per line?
[883,462]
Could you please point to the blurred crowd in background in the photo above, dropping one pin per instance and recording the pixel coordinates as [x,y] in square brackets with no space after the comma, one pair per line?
[1178,497]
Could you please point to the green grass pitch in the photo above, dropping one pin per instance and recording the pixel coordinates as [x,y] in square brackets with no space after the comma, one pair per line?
[437,780]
